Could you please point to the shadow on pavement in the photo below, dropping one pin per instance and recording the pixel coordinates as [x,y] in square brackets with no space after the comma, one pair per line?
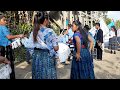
[104,75]
[107,50]
[23,70]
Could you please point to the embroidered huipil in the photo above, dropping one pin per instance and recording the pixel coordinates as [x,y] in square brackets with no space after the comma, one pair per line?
[49,37]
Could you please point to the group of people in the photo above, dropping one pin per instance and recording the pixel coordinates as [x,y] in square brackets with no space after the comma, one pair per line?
[66,38]
[45,45]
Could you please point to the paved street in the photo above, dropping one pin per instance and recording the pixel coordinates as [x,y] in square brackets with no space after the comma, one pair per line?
[109,68]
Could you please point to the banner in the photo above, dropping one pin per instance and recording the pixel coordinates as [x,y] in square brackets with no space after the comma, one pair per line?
[111,24]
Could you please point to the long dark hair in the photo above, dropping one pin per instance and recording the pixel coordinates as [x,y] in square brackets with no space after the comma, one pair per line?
[38,19]
[114,30]
[86,28]
[82,32]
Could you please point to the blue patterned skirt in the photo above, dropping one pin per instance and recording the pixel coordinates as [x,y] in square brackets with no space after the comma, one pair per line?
[43,66]
[83,69]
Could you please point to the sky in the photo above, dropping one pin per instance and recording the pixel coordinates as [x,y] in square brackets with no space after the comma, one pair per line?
[114,15]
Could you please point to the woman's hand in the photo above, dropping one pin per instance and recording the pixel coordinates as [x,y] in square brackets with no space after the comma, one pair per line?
[6,61]
[21,35]
[91,51]
[91,43]
[78,57]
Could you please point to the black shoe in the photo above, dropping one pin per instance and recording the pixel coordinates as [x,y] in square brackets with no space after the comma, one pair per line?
[99,59]
[111,52]
[114,52]
[69,58]
[28,62]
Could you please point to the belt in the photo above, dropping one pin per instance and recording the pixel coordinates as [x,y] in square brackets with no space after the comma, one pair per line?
[83,46]
[41,49]
[1,46]
[6,46]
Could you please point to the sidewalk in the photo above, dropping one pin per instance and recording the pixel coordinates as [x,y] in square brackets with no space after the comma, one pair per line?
[109,68]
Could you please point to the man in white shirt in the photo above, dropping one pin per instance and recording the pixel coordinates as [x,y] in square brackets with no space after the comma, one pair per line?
[70,33]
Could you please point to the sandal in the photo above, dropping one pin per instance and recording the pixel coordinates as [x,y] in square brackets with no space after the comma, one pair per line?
[60,66]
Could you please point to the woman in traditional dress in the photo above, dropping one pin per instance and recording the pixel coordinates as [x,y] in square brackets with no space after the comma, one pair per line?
[45,49]
[82,63]
[113,40]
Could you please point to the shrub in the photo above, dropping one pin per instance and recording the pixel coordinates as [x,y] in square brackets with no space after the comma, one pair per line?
[20,52]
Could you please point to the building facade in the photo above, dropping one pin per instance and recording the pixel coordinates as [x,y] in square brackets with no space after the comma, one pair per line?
[85,17]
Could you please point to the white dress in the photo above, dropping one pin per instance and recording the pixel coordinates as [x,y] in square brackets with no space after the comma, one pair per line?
[63,52]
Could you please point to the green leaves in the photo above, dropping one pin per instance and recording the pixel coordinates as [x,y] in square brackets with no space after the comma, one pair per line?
[55,28]
[117,24]
[22,28]
[20,52]
[108,21]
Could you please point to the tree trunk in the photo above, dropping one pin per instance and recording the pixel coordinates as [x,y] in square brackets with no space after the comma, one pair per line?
[17,17]
[34,12]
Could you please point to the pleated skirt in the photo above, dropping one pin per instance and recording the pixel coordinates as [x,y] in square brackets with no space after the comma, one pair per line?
[43,66]
[83,69]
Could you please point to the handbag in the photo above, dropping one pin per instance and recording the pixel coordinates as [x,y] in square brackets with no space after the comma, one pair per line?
[5,71]
[100,44]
